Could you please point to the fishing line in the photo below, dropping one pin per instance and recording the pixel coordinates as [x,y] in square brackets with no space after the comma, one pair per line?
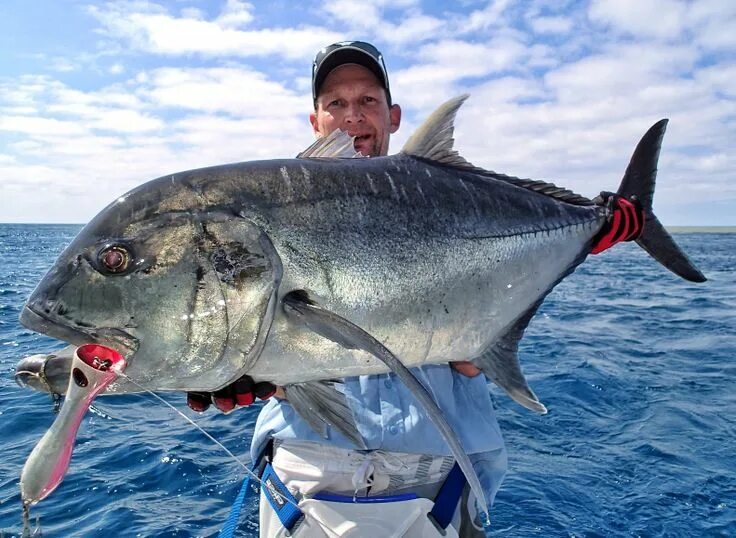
[207,434]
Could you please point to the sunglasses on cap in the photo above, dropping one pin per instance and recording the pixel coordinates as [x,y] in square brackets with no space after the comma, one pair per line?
[345,52]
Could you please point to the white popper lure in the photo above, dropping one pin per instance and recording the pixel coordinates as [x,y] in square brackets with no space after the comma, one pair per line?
[94,367]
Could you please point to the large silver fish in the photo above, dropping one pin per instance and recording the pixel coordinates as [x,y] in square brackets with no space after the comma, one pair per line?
[302,270]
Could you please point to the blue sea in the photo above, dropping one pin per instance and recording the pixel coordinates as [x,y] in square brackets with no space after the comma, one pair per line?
[635,365]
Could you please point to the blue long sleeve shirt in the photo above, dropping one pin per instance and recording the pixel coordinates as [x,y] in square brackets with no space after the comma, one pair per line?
[388,417]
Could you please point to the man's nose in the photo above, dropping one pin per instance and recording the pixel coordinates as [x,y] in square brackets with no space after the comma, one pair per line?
[354,113]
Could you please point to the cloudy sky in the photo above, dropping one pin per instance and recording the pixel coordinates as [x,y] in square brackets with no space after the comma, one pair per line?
[97,97]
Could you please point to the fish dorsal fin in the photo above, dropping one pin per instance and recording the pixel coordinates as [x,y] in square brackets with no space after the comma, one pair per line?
[434,140]
[336,145]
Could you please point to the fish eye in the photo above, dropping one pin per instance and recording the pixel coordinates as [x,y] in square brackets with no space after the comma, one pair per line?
[114,259]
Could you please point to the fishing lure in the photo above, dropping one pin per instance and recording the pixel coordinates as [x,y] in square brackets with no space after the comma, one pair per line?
[94,367]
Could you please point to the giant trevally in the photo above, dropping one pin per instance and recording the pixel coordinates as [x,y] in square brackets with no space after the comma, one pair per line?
[303,270]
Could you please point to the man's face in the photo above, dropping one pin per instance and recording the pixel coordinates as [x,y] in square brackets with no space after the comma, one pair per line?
[352,99]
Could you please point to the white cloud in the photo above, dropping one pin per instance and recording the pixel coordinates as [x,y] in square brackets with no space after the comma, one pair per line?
[491,15]
[368,18]
[31,125]
[620,70]
[445,63]
[114,138]
[235,14]
[237,91]
[354,13]
[551,25]
[712,24]
[150,28]
[720,78]
[414,28]
[649,18]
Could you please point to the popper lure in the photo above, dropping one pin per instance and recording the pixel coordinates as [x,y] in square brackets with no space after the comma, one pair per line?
[94,367]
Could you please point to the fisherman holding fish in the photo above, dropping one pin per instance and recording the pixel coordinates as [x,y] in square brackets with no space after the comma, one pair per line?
[301,272]
[404,454]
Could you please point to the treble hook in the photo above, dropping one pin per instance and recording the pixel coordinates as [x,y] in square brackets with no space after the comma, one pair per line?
[57,399]
[27,532]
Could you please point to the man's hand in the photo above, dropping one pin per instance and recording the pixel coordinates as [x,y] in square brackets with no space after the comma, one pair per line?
[241,392]
[465,368]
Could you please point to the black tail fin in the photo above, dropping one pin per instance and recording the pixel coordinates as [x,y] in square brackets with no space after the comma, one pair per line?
[639,180]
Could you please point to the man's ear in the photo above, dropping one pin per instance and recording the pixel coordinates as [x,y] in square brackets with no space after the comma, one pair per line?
[315,125]
[395,117]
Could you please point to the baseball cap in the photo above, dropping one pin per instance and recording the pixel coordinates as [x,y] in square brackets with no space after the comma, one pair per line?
[348,52]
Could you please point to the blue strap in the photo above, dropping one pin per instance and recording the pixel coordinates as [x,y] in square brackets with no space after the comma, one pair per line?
[449,495]
[376,499]
[228,529]
[280,498]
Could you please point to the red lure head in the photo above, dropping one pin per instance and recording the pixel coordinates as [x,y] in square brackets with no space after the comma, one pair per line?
[99,357]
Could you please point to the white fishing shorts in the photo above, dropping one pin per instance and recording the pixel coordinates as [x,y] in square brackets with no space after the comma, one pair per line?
[307,469]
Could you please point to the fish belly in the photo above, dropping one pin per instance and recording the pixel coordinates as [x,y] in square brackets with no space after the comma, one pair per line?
[447,303]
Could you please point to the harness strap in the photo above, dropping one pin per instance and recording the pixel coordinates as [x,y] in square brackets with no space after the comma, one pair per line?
[280,498]
[449,495]
[352,499]
[284,503]
[228,529]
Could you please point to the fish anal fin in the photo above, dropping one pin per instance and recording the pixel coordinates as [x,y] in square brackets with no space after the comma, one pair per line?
[500,363]
[320,404]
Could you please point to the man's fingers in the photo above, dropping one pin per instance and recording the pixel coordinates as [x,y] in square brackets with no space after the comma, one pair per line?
[465,368]
[198,401]
[244,398]
[224,399]
[264,390]
[243,390]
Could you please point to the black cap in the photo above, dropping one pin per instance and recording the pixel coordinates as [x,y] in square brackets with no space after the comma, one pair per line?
[348,52]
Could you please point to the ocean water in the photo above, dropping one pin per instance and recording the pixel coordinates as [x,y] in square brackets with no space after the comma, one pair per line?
[635,365]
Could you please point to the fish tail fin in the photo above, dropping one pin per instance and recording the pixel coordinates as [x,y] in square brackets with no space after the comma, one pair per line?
[639,181]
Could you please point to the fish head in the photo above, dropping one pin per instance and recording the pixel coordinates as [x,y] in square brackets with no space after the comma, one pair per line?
[187,297]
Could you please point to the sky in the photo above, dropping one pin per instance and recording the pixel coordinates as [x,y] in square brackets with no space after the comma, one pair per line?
[98,97]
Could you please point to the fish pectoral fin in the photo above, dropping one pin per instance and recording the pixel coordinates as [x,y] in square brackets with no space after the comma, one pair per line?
[299,308]
[320,404]
[500,364]
[337,145]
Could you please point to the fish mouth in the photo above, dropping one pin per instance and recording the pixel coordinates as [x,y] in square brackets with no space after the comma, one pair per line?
[121,341]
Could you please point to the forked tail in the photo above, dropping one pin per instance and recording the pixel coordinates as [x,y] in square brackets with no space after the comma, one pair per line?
[638,182]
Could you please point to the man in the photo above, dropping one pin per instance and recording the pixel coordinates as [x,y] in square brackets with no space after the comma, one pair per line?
[406,454]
